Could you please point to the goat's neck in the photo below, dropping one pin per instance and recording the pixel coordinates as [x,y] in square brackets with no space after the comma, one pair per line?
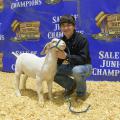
[51,57]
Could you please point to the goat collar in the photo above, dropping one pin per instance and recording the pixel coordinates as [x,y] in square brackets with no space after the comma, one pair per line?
[56,46]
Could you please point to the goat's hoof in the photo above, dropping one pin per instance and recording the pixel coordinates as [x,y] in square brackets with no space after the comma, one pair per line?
[18,94]
[41,103]
[50,102]
[51,98]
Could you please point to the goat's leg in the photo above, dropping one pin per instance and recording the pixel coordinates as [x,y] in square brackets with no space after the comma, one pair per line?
[23,82]
[49,84]
[39,87]
[17,82]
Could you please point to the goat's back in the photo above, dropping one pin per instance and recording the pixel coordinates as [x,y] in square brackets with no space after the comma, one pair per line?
[29,64]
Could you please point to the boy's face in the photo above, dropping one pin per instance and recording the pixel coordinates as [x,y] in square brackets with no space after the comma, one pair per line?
[67,29]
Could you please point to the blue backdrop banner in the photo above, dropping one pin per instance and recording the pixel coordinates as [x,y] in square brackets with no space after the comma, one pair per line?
[27,25]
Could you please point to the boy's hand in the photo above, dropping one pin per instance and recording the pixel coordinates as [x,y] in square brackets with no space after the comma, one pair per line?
[61,54]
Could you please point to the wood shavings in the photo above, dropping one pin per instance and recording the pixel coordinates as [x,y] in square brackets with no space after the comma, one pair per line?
[104,98]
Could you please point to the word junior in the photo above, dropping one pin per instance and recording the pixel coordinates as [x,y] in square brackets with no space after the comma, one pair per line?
[109,59]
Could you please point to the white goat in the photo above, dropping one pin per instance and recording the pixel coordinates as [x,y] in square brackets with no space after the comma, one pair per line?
[41,68]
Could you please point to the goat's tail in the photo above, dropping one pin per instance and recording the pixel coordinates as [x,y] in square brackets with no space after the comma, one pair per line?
[15,54]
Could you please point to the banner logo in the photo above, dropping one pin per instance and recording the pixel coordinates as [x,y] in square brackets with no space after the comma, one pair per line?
[1,63]
[1,5]
[25,30]
[52,1]
[109,25]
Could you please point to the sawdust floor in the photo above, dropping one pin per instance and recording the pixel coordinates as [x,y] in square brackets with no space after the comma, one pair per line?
[104,98]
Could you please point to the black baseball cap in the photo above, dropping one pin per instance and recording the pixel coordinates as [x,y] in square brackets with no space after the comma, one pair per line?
[67,19]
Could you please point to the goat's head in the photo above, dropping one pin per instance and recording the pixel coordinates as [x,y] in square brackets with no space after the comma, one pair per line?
[58,44]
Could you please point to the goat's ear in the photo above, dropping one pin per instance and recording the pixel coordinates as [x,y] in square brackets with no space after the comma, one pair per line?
[45,49]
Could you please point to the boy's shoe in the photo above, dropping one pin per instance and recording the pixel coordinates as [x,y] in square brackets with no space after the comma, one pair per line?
[82,97]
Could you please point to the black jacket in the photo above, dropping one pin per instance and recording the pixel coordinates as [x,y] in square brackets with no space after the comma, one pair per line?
[77,50]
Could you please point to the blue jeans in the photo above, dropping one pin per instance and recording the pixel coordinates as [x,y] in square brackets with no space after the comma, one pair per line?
[79,73]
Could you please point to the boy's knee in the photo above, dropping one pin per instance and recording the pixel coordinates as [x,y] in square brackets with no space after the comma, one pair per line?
[78,71]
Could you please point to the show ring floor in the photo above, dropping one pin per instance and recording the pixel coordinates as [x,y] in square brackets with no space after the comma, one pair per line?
[104,98]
